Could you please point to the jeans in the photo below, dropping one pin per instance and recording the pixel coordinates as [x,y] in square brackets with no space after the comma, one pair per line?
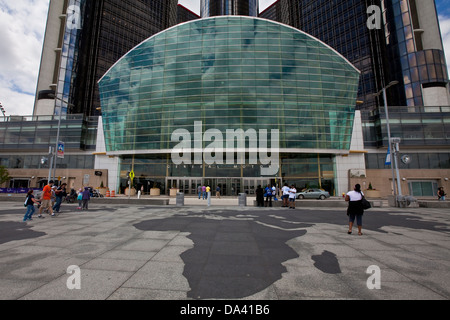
[204,195]
[351,218]
[57,204]
[199,194]
[29,213]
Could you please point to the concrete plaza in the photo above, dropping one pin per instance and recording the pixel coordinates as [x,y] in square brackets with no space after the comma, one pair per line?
[224,252]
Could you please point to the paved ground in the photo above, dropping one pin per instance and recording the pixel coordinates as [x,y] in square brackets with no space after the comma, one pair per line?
[224,252]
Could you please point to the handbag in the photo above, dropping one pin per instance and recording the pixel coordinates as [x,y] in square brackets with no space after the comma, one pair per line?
[365,204]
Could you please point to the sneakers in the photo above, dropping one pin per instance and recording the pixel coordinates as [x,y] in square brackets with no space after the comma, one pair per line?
[41,217]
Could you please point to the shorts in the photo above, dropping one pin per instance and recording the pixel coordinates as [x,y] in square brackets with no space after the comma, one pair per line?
[285,196]
[46,203]
[291,199]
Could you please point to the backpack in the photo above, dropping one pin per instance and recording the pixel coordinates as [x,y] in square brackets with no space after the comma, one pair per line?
[25,203]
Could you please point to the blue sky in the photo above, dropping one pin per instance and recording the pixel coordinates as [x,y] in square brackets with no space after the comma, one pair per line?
[22,26]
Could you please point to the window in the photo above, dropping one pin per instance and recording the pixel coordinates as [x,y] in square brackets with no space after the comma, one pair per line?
[423,188]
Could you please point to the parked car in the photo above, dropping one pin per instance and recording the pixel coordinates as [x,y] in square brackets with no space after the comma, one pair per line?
[312,194]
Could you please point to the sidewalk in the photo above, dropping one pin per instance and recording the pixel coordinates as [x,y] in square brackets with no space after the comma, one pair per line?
[145,252]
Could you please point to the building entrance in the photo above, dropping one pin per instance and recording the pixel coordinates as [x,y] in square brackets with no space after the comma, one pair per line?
[228,186]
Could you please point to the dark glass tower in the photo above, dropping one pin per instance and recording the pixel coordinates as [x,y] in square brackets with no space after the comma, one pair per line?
[210,8]
[415,54]
[105,30]
[341,25]
[406,48]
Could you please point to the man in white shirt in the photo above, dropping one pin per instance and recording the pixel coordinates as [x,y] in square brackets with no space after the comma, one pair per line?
[285,190]
[292,192]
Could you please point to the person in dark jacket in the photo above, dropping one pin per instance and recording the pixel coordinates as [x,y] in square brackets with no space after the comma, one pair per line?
[60,193]
[86,197]
[260,196]
[355,208]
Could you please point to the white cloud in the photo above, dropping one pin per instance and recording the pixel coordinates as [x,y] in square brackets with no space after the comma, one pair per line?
[23,24]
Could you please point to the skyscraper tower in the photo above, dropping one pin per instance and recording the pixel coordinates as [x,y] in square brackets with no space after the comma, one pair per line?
[407,47]
[209,8]
[415,54]
[83,39]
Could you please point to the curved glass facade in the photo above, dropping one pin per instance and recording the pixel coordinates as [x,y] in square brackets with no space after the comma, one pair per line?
[229,72]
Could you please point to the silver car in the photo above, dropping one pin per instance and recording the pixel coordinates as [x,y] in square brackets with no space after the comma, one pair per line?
[313,194]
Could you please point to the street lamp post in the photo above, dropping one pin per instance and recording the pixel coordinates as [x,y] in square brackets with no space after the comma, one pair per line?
[392,148]
[54,158]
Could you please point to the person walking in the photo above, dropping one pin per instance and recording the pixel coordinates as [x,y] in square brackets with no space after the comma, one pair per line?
[204,192]
[60,193]
[268,192]
[199,190]
[292,192]
[285,195]
[46,199]
[441,194]
[208,192]
[218,192]
[86,197]
[355,208]
[260,196]
[30,201]
[80,199]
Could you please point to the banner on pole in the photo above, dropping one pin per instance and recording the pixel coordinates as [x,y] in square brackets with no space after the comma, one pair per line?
[387,161]
[60,151]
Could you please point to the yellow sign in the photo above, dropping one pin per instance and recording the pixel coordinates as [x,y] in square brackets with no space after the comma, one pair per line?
[131,176]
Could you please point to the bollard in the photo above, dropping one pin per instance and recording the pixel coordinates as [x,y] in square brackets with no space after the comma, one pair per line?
[180,199]
[242,199]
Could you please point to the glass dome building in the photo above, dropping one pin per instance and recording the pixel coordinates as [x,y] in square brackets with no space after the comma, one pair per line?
[229,73]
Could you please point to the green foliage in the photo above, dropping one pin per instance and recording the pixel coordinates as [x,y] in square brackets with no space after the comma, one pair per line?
[4,175]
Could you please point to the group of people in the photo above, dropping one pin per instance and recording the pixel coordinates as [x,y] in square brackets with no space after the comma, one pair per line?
[204,191]
[51,199]
[270,192]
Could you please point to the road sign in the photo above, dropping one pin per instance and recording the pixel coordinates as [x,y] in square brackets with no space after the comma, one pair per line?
[131,176]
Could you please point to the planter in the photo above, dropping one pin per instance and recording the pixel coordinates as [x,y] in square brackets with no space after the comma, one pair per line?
[133,192]
[173,192]
[155,192]
[372,193]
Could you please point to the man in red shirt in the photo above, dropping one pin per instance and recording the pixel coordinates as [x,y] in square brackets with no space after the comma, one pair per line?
[46,199]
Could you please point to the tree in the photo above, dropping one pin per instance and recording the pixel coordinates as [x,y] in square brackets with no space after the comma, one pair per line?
[4,175]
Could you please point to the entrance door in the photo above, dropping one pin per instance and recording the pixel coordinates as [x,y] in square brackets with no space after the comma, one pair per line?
[234,186]
[194,185]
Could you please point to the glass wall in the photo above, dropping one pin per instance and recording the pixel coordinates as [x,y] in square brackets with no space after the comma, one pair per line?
[38,133]
[230,72]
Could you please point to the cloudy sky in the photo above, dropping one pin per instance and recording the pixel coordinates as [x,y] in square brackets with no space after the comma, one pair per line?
[22,26]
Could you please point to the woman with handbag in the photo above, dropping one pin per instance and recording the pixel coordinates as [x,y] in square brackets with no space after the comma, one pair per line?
[355,208]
